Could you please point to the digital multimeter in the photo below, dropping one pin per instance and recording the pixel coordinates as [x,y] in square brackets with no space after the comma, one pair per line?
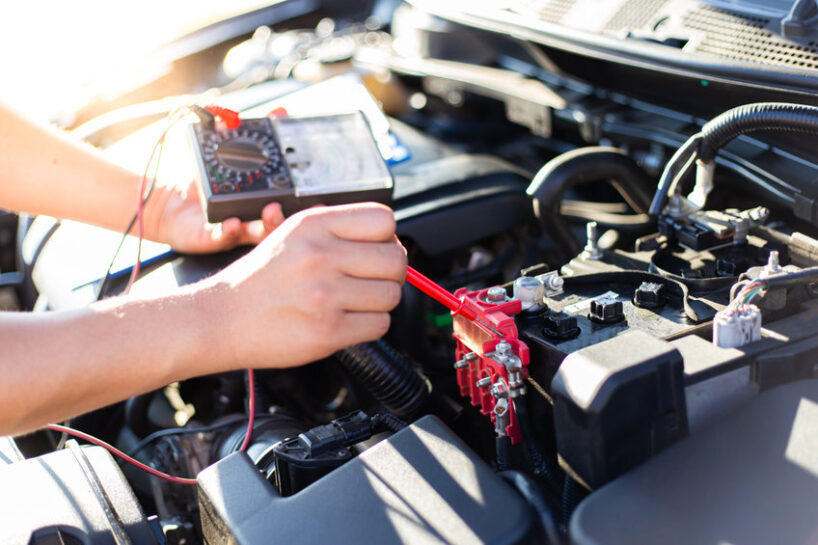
[298,162]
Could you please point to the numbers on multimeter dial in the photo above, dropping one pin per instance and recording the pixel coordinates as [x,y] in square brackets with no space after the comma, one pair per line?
[244,159]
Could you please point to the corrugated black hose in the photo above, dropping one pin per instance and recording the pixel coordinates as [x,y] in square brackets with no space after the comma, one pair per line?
[388,375]
[719,131]
[386,422]
[760,116]
[572,494]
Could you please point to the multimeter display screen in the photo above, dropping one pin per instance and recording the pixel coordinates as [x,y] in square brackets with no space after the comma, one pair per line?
[331,154]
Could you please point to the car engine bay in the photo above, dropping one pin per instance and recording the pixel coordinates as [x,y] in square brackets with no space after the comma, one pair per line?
[623,217]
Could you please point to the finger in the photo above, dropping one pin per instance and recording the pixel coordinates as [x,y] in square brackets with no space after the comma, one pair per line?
[230,228]
[224,235]
[361,327]
[272,216]
[252,232]
[356,294]
[384,260]
[365,222]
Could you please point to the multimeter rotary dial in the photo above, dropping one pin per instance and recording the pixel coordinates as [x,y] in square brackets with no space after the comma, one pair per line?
[242,160]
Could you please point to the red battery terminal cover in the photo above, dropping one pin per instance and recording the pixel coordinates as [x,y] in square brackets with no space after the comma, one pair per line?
[476,357]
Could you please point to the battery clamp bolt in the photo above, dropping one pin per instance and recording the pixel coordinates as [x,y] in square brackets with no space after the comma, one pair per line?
[592,250]
[496,294]
[502,349]
[552,282]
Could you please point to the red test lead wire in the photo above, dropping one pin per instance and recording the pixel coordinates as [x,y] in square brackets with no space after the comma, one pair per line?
[439,294]
[113,450]
[251,407]
[251,394]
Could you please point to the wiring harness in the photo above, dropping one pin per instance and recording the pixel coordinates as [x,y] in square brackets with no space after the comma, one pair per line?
[701,148]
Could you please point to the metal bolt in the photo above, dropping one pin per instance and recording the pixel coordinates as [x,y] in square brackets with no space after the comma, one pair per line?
[496,294]
[503,348]
[773,264]
[759,214]
[484,382]
[554,282]
[592,250]
[462,364]
[499,390]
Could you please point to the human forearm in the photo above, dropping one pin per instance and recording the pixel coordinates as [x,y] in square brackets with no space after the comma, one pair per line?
[47,172]
[55,365]
[326,279]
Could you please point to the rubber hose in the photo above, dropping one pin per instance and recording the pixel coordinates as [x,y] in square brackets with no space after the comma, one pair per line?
[136,414]
[578,167]
[388,375]
[528,490]
[777,116]
[572,494]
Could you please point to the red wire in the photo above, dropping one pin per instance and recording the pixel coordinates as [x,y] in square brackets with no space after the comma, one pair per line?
[140,213]
[113,450]
[251,407]
[251,393]
[140,232]
[173,117]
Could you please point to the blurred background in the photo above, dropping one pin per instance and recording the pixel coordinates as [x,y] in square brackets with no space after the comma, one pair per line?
[56,55]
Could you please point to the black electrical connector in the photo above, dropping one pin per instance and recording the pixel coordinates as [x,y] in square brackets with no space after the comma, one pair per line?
[304,459]
[347,430]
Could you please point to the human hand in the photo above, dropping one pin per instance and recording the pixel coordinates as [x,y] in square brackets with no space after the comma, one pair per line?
[174,215]
[324,280]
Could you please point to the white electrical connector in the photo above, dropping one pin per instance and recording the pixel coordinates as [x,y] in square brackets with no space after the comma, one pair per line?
[735,327]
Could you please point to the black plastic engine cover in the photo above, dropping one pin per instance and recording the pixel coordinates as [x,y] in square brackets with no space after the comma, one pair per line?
[76,496]
[421,485]
[616,404]
[751,478]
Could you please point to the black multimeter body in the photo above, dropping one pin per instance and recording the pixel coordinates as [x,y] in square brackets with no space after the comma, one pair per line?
[242,170]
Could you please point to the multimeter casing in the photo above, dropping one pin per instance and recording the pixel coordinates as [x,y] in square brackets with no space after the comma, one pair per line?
[242,170]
